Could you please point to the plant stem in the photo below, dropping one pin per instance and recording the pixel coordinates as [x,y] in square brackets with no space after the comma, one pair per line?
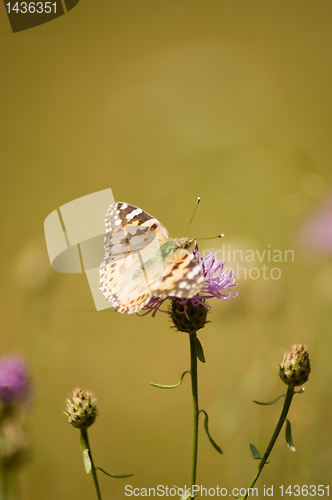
[86,446]
[287,403]
[193,372]
[3,481]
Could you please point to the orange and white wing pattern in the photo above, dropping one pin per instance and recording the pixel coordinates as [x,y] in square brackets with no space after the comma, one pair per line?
[142,262]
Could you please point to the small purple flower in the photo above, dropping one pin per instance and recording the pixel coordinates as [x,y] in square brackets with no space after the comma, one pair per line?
[216,280]
[14,380]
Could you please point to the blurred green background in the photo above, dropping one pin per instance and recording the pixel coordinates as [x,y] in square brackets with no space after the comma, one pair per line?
[164,102]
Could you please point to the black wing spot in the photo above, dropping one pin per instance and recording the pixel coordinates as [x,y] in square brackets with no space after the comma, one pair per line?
[139,232]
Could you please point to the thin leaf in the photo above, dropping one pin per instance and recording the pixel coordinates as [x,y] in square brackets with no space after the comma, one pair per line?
[270,402]
[161,386]
[255,453]
[301,391]
[289,439]
[206,427]
[199,350]
[179,490]
[185,496]
[87,461]
[112,475]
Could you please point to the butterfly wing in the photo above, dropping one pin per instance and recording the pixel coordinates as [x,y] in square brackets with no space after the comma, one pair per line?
[130,228]
[183,276]
[133,264]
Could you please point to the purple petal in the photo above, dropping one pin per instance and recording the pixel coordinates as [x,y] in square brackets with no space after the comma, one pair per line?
[14,380]
[216,279]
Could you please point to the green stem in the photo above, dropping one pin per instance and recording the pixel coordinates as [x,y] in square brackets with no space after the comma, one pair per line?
[3,481]
[193,372]
[287,403]
[86,446]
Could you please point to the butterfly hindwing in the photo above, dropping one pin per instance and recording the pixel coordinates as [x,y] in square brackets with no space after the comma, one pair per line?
[183,276]
[127,280]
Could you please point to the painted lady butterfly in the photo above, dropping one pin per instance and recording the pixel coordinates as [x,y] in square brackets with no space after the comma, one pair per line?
[141,261]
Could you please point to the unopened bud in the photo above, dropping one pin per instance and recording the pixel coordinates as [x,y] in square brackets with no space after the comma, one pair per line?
[81,408]
[295,367]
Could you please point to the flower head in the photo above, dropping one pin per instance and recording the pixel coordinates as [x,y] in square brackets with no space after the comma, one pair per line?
[188,318]
[81,408]
[295,367]
[14,380]
[216,282]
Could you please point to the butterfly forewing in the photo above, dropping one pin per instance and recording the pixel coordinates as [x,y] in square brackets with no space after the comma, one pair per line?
[129,228]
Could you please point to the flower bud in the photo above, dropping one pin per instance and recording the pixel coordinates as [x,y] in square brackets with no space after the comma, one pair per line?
[81,408]
[188,318]
[295,367]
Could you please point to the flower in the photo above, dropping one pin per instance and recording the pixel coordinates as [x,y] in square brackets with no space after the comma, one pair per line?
[14,380]
[81,408]
[216,281]
[295,367]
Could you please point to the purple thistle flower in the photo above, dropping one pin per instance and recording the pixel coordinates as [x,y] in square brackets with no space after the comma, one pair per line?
[14,380]
[216,280]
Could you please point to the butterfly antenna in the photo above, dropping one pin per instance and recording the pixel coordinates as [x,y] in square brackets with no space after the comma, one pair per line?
[211,238]
[191,219]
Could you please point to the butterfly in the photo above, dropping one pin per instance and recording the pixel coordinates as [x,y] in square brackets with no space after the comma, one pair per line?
[141,261]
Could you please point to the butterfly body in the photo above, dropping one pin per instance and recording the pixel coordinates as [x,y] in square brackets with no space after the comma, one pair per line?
[141,261]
